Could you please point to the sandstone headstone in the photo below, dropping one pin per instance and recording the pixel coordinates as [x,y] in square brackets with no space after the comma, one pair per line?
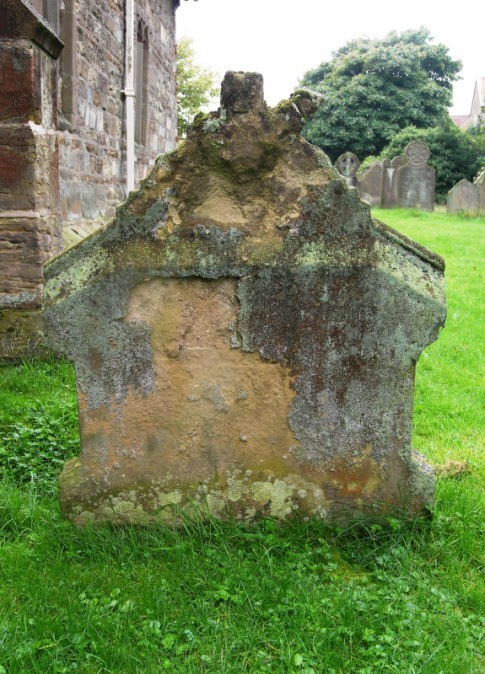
[244,334]
[347,165]
[369,184]
[415,181]
[463,197]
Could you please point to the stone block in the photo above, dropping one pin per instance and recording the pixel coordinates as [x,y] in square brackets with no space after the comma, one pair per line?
[17,168]
[20,91]
[245,335]
[22,254]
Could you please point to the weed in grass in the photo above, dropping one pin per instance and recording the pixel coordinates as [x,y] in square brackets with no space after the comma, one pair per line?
[38,424]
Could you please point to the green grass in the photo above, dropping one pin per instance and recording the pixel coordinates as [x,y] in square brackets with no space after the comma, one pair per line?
[401,597]
[450,395]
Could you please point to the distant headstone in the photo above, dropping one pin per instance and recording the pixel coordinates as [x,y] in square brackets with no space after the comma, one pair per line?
[347,165]
[369,184]
[398,161]
[463,197]
[245,335]
[480,183]
[388,193]
[415,181]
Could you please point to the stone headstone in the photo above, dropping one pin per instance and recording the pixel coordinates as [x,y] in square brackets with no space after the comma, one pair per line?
[415,181]
[398,161]
[463,197]
[245,335]
[347,165]
[480,183]
[387,195]
[369,184]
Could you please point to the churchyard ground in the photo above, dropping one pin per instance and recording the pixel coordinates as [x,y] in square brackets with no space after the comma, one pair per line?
[393,596]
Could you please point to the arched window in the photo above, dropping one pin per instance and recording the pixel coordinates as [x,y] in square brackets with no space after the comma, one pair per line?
[141,84]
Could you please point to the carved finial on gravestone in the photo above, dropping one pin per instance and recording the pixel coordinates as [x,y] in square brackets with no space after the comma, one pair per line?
[415,181]
[347,165]
[237,345]
[242,92]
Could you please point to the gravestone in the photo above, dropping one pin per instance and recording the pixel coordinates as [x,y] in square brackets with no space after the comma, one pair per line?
[347,165]
[479,181]
[463,197]
[415,181]
[388,196]
[398,161]
[369,184]
[245,334]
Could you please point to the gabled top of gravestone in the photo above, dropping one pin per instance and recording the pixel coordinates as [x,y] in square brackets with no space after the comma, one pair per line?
[244,175]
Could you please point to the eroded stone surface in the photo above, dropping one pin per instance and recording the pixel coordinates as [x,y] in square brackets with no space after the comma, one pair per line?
[245,335]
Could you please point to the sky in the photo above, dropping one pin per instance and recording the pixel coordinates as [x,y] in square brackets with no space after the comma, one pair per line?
[282,39]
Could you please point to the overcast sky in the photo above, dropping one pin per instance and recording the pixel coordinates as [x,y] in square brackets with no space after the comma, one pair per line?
[282,39]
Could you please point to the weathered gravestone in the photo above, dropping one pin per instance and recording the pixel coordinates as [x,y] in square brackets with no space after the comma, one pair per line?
[369,184]
[463,197]
[479,181]
[389,197]
[244,334]
[378,184]
[347,165]
[415,181]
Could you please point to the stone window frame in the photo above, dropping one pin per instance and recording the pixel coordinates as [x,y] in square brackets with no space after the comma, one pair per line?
[50,12]
[68,65]
[141,82]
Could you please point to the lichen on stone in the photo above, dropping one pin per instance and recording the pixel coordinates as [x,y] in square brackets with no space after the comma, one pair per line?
[244,333]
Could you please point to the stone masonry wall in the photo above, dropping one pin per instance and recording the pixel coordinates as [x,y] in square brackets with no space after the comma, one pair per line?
[92,141]
[63,136]
[30,230]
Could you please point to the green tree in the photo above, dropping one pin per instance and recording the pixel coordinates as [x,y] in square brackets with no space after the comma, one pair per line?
[455,154]
[374,88]
[195,85]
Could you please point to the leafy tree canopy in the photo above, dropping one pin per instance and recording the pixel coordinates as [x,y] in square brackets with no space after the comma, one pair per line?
[455,154]
[195,86]
[374,88]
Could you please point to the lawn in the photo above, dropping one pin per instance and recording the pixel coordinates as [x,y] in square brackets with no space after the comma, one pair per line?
[395,596]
